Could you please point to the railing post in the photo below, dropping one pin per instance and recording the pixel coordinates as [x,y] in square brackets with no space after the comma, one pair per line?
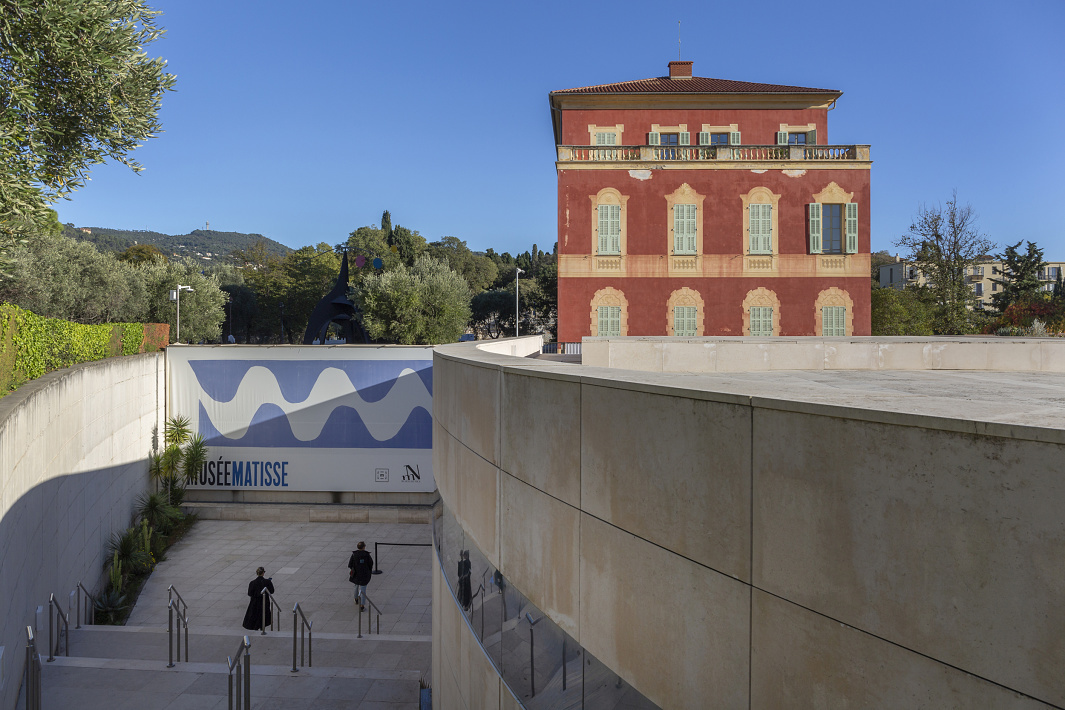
[185,623]
[294,669]
[51,613]
[563,662]
[230,664]
[265,599]
[532,664]
[247,674]
[170,634]
[360,623]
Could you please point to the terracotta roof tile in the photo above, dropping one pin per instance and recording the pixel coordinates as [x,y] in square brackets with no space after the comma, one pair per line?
[694,85]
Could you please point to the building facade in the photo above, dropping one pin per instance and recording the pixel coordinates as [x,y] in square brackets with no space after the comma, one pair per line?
[980,277]
[691,206]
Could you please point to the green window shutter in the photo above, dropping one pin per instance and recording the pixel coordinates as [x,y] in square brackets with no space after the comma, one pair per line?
[684,319]
[684,229]
[811,137]
[606,138]
[834,321]
[760,218]
[609,318]
[685,138]
[704,138]
[734,138]
[609,229]
[851,246]
[782,137]
[652,138]
[761,321]
[814,211]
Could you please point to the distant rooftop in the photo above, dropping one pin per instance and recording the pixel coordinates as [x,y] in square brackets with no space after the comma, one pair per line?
[681,81]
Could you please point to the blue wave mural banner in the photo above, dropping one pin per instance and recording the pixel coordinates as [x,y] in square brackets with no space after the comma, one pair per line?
[334,418]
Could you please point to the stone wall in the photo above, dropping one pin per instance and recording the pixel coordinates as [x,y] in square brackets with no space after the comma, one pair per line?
[813,354]
[74,449]
[730,551]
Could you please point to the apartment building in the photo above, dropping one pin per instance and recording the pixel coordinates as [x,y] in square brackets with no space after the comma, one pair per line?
[902,273]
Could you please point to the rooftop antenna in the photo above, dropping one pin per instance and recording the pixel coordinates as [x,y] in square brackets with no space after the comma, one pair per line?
[678,41]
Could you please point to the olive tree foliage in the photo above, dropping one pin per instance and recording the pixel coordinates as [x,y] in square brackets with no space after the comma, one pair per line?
[942,243]
[76,89]
[202,309]
[425,304]
[58,277]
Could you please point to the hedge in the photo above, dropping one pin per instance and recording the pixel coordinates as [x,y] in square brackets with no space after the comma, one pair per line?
[31,345]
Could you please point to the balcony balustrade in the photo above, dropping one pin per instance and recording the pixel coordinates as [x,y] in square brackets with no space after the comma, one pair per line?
[709,153]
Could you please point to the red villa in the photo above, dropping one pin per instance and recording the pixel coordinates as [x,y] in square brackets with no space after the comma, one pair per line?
[692,206]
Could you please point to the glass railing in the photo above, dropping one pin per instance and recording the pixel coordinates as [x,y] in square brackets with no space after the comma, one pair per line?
[541,664]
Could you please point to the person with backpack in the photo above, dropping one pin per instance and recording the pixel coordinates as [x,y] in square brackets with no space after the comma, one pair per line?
[361,571]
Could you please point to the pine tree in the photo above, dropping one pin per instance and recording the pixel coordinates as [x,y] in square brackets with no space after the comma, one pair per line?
[1020,276]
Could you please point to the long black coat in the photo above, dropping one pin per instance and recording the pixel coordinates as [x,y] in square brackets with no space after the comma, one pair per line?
[253,618]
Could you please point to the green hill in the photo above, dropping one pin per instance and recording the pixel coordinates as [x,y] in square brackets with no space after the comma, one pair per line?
[208,246]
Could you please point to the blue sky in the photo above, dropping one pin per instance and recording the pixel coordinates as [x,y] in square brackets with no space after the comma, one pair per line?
[304,121]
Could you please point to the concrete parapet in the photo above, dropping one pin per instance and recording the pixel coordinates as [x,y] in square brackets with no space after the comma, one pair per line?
[771,539]
[74,448]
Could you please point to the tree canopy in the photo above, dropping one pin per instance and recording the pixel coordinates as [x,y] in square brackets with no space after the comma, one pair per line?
[943,242]
[427,303]
[76,89]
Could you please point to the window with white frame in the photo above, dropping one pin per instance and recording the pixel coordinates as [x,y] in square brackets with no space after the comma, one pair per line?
[609,229]
[684,228]
[761,226]
[684,321]
[834,321]
[609,320]
[761,321]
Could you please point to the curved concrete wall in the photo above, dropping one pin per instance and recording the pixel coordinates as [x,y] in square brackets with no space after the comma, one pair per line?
[74,446]
[717,549]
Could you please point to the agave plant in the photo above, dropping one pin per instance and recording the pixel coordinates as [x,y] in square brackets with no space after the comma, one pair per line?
[176,432]
[110,604]
[160,515]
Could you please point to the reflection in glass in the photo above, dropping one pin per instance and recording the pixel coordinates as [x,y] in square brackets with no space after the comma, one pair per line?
[541,664]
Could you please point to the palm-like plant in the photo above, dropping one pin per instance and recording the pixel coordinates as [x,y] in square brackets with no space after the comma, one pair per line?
[193,458]
[176,431]
[160,515]
[127,551]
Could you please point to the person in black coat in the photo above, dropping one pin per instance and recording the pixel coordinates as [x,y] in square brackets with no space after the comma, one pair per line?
[253,618]
[361,566]
[465,587]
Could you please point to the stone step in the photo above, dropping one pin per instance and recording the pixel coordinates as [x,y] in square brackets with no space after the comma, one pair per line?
[98,683]
[214,644]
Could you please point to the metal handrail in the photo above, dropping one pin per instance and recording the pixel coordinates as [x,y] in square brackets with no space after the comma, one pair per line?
[33,672]
[90,603]
[183,620]
[304,625]
[172,592]
[234,663]
[53,646]
[268,602]
[369,628]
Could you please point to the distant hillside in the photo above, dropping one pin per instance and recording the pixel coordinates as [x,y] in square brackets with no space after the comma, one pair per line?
[204,245]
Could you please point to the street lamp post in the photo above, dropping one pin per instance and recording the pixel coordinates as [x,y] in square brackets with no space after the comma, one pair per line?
[517,308]
[175,295]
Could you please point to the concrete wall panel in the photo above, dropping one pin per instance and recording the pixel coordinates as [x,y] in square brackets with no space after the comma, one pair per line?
[466,402]
[945,543]
[801,660]
[642,453]
[540,439]
[474,486]
[545,566]
[678,632]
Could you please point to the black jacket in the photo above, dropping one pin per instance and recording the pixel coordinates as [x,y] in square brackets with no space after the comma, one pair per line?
[362,564]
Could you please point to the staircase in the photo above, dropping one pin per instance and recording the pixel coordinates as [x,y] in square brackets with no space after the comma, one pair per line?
[117,667]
